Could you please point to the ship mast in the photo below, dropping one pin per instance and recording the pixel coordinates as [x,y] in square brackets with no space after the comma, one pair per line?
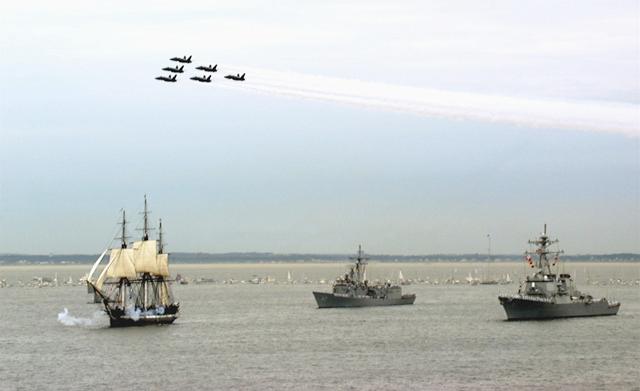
[543,243]
[122,286]
[123,234]
[145,227]
[361,264]
[145,236]
[160,245]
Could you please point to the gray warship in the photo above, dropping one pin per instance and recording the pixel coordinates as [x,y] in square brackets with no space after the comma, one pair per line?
[548,295]
[353,290]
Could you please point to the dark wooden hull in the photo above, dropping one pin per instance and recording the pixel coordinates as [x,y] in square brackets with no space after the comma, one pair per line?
[120,318]
[142,320]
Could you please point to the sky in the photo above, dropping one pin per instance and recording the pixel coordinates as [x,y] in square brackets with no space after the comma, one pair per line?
[410,128]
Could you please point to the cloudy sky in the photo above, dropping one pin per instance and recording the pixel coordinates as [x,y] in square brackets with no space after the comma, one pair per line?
[411,128]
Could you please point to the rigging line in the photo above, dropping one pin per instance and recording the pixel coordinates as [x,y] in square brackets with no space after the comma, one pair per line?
[113,236]
[140,220]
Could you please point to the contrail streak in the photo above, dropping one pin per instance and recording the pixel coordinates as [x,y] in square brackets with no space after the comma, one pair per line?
[598,116]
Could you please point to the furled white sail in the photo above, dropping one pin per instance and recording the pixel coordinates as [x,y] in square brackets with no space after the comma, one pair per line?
[145,256]
[163,265]
[121,263]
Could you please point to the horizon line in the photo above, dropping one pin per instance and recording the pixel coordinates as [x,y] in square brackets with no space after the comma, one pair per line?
[270,253]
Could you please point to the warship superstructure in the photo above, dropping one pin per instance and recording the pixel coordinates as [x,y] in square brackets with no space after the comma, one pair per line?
[353,290]
[546,295]
[134,285]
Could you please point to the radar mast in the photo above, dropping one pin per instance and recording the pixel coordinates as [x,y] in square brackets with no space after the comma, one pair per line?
[361,264]
[543,243]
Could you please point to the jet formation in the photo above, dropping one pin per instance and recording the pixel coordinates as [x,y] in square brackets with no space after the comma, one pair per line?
[201,79]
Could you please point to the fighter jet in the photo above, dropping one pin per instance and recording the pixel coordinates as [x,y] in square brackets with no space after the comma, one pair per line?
[236,77]
[183,59]
[174,70]
[170,79]
[203,79]
[208,68]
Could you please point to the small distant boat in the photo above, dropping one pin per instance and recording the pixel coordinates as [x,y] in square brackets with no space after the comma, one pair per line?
[506,280]
[134,286]
[402,280]
[471,280]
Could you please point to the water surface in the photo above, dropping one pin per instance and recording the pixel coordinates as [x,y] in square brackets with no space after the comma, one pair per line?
[272,336]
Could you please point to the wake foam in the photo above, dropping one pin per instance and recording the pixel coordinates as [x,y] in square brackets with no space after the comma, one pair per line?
[68,320]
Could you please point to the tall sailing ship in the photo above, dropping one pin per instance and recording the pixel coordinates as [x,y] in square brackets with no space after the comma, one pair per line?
[134,285]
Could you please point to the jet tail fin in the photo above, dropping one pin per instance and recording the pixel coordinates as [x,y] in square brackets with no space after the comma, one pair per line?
[215,67]
[182,67]
[209,78]
[242,77]
[189,59]
[174,77]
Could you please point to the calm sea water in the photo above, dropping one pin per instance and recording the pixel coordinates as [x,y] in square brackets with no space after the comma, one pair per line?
[271,336]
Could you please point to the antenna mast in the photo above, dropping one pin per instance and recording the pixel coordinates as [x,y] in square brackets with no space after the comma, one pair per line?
[360,264]
[543,244]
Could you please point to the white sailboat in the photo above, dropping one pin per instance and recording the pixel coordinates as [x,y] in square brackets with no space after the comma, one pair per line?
[402,280]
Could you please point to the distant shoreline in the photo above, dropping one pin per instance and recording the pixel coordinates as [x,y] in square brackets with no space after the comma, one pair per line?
[214,258]
[444,267]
